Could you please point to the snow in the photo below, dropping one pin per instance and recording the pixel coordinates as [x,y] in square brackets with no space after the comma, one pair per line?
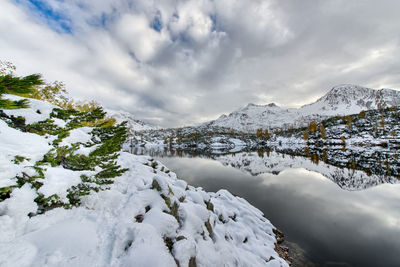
[81,135]
[127,225]
[59,180]
[30,114]
[15,143]
[340,100]
[219,145]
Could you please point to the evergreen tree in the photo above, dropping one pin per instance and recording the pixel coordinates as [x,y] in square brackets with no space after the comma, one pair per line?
[23,86]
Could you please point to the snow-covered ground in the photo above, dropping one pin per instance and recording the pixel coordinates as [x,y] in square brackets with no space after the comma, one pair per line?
[147,217]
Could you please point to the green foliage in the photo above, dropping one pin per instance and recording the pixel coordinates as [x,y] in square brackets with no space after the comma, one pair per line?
[108,138]
[18,159]
[21,86]
[9,104]
[14,122]
[156,185]
[44,127]
[5,192]
[91,118]
[105,134]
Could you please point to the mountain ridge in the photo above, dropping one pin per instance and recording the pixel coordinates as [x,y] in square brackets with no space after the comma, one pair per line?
[343,99]
[133,123]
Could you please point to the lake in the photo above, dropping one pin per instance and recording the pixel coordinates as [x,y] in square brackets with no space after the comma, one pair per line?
[330,216]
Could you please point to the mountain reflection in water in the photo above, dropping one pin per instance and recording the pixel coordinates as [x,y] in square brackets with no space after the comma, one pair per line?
[358,226]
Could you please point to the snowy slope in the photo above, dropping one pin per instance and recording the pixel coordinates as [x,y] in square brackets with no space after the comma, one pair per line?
[340,100]
[133,123]
[147,217]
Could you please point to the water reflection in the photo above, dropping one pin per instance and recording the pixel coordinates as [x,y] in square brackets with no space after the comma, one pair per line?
[349,177]
[335,227]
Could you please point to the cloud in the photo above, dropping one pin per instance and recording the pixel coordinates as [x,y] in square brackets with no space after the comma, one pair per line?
[181,62]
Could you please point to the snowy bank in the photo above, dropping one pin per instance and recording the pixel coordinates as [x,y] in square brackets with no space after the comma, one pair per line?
[146,217]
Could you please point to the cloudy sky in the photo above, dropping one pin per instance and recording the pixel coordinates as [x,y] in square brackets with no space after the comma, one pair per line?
[179,62]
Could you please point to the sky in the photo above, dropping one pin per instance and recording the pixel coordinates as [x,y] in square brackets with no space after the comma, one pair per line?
[182,62]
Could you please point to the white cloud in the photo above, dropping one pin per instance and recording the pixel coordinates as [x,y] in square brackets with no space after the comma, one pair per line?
[140,38]
[203,58]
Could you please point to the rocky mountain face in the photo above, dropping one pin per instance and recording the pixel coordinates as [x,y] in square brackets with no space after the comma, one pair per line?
[340,100]
[134,124]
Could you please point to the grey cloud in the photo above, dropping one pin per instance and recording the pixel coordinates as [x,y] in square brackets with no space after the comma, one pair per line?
[209,57]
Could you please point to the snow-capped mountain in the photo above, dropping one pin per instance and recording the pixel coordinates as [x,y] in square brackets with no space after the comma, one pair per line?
[340,100]
[133,123]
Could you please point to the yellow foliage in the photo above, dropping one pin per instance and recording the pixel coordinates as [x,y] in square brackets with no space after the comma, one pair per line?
[312,127]
[322,130]
[6,67]
[343,139]
[348,122]
[266,134]
[259,133]
[306,135]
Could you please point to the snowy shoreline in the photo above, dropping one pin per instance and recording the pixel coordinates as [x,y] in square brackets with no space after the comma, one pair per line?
[146,217]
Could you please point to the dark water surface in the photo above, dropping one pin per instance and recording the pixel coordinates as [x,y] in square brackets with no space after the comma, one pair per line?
[334,227]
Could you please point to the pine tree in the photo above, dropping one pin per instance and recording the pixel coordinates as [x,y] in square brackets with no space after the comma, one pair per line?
[18,86]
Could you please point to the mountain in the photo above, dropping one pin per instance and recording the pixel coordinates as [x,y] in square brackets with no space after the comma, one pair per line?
[340,100]
[133,123]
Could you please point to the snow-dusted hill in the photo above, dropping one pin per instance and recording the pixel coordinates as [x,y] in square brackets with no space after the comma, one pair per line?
[134,124]
[340,100]
[142,215]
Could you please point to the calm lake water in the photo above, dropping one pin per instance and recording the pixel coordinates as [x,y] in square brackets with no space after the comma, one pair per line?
[354,224]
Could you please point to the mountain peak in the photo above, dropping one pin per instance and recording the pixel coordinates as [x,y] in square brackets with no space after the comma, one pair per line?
[270,105]
[251,105]
[343,99]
